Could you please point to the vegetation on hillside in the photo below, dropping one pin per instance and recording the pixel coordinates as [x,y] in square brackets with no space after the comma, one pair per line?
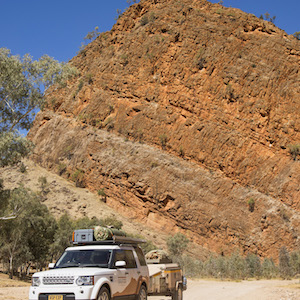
[43,238]
[234,266]
[23,82]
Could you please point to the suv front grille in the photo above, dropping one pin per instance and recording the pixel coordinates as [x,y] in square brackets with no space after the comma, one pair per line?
[51,280]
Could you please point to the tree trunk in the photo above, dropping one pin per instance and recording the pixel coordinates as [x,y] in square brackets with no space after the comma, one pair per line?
[11,269]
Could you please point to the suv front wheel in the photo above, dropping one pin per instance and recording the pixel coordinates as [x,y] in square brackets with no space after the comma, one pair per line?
[104,294]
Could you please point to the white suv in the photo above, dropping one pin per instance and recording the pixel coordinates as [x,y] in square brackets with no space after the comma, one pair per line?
[94,272]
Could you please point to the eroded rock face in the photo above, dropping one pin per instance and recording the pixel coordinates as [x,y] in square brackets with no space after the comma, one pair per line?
[184,112]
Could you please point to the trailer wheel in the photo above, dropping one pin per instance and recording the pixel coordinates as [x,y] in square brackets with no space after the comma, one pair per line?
[178,294]
[104,294]
[142,293]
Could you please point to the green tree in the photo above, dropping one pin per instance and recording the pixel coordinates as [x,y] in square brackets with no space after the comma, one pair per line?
[284,263]
[295,262]
[34,229]
[62,237]
[253,266]
[269,269]
[4,196]
[22,85]
[237,266]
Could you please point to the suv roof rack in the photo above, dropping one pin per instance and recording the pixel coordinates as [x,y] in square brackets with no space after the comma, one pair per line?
[116,240]
[103,236]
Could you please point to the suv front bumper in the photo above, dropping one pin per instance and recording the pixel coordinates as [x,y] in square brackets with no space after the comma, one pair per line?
[67,293]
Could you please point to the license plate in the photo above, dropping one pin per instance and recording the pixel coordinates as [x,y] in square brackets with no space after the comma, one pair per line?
[55,297]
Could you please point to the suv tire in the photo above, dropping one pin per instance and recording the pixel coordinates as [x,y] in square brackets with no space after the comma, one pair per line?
[142,293]
[104,294]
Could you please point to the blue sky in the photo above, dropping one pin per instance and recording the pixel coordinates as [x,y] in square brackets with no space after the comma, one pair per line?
[57,27]
[286,12]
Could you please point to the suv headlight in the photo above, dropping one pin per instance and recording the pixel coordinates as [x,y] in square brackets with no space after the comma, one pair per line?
[35,281]
[85,280]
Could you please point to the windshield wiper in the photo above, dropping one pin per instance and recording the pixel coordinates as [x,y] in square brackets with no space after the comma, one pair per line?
[68,266]
[94,265]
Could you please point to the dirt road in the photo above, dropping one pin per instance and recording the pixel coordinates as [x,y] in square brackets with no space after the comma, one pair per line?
[199,289]
[245,290]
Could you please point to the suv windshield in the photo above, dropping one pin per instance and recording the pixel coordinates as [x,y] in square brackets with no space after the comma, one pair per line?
[84,258]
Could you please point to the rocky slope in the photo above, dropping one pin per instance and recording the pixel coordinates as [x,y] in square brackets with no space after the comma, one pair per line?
[62,196]
[184,114]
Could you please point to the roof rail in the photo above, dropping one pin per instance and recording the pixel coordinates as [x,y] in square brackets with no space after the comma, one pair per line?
[116,240]
[103,236]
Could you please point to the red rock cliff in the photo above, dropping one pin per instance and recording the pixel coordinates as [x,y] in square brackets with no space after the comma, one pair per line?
[184,112]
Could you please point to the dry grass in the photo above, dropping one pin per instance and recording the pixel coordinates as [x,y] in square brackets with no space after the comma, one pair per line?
[6,282]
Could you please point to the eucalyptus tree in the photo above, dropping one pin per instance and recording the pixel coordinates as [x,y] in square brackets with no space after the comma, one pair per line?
[26,239]
[23,82]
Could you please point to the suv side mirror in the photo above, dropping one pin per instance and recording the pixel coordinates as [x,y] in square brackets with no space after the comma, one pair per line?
[51,265]
[120,263]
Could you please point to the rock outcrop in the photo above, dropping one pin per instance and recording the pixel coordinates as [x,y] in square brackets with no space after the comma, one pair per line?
[184,113]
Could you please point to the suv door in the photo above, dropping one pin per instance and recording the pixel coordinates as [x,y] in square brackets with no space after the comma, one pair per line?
[143,268]
[127,277]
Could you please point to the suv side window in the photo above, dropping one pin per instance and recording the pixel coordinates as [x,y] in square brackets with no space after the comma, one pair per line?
[127,256]
[119,255]
[141,256]
[130,260]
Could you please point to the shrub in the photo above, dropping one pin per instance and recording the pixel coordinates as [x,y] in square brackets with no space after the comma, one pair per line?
[111,221]
[163,140]
[251,204]
[80,86]
[43,184]
[146,247]
[200,59]
[177,244]
[144,20]
[154,164]
[284,214]
[124,59]
[22,168]
[297,35]
[294,151]
[152,17]
[181,151]
[78,178]
[109,123]
[268,17]
[102,194]
[191,267]
[85,223]
[61,168]
[89,78]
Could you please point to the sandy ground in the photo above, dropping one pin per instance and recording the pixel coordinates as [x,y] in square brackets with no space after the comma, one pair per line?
[197,290]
